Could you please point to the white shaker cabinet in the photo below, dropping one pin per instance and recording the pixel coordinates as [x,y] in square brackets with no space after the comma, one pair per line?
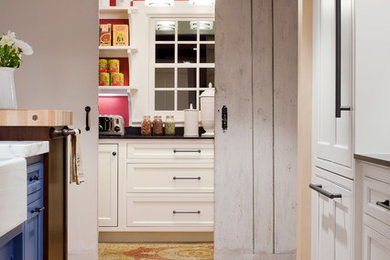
[108,185]
[332,135]
[332,217]
[376,246]
[156,185]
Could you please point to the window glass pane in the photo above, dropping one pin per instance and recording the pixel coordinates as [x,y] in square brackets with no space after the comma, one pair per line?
[165,53]
[165,30]
[164,78]
[164,100]
[207,53]
[186,78]
[206,77]
[207,32]
[187,31]
[187,53]
[185,98]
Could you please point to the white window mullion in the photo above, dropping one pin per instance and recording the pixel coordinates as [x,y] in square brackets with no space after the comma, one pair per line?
[176,61]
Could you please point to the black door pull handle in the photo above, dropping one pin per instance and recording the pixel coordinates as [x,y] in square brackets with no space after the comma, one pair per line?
[87,110]
[327,194]
[224,118]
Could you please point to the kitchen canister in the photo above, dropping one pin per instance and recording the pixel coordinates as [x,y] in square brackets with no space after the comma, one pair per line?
[191,122]
[207,101]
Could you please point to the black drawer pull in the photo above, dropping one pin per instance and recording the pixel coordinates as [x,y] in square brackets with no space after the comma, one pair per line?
[37,210]
[327,194]
[385,204]
[186,212]
[36,178]
[187,151]
[186,178]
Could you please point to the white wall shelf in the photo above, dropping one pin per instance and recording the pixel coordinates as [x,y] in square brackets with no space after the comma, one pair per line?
[116,12]
[116,51]
[117,90]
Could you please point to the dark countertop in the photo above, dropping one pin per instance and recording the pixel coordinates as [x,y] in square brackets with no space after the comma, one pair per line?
[380,159]
[135,133]
[151,137]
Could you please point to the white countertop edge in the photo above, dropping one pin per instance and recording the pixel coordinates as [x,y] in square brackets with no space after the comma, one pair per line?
[10,149]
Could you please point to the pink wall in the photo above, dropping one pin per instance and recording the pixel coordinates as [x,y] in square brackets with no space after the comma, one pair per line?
[115,106]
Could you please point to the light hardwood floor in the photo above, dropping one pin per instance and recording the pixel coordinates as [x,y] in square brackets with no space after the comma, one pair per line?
[156,251]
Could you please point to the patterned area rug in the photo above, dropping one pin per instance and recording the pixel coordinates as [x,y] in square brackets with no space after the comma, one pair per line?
[156,251]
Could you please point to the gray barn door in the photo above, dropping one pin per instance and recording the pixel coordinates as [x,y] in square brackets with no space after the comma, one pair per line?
[255,163]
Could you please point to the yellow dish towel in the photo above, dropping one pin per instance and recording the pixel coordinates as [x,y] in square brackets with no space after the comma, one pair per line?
[76,168]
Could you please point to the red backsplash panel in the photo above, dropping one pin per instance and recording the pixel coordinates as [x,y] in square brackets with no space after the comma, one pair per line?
[115,106]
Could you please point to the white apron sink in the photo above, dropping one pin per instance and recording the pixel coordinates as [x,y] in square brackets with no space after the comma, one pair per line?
[13,193]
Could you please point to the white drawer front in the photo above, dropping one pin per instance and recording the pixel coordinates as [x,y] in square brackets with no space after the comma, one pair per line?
[170,178]
[165,152]
[376,246]
[376,197]
[168,211]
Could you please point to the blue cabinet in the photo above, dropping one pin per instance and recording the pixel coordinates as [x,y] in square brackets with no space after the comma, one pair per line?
[33,227]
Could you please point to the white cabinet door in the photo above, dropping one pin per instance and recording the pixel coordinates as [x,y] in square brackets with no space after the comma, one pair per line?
[376,246]
[332,234]
[108,185]
[332,136]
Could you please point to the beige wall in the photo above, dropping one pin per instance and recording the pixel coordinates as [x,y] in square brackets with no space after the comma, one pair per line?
[304,128]
[62,75]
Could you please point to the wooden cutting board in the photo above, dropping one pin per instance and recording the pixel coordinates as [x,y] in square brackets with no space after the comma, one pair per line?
[26,117]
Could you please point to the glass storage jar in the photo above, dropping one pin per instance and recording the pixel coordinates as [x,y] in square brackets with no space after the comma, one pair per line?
[157,126]
[146,127]
[170,126]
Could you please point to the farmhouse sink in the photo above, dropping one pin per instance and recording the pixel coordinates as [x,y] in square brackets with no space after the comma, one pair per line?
[13,193]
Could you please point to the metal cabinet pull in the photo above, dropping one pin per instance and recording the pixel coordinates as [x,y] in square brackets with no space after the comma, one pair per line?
[114,153]
[187,151]
[36,178]
[186,212]
[327,194]
[37,210]
[385,204]
[339,108]
[186,178]
[87,110]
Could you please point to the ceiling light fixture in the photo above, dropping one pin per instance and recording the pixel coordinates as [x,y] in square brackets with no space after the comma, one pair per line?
[159,3]
[202,2]
[165,26]
[203,25]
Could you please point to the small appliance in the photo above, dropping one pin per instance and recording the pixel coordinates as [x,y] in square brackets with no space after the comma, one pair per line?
[111,125]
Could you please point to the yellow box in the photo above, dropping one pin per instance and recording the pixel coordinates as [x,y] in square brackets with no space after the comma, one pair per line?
[120,35]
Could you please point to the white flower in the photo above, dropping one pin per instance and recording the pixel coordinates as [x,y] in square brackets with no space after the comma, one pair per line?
[11,36]
[8,39]
[26,49]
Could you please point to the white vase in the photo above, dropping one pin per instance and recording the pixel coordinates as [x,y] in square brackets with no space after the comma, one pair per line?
[7,89]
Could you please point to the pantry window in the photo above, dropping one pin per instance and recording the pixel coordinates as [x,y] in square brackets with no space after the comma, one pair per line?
[183,63]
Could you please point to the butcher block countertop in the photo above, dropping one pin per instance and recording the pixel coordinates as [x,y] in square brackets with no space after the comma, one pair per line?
[27,117]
